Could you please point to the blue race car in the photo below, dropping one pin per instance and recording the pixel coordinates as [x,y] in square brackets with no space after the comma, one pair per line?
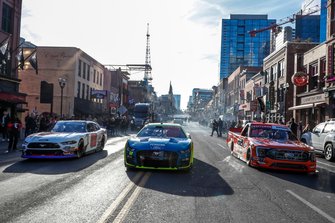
[164,146]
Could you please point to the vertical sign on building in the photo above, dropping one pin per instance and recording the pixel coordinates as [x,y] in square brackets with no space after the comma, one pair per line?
[330,60]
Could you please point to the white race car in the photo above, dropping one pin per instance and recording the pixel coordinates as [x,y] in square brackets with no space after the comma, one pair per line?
[67,139]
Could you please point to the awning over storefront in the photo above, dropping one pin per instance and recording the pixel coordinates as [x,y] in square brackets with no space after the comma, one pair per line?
[13,97]
[301,107]
[320,104]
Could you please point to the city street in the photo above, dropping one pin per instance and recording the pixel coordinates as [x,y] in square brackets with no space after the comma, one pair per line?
[219,188]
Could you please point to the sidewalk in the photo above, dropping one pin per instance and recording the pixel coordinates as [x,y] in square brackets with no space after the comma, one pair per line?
[4,146]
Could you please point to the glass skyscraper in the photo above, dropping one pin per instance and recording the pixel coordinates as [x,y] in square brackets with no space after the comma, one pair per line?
[308,28]
[238,47]
[323,21]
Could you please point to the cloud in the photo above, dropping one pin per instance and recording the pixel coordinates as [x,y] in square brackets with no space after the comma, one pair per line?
[210,12]
[211,57]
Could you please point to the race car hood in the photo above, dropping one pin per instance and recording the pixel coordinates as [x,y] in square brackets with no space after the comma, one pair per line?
[171,144]
[52,136]
[280,144]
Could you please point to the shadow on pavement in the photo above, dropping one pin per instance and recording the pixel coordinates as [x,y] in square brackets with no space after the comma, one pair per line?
[323,180]
[202,181]
[55,166]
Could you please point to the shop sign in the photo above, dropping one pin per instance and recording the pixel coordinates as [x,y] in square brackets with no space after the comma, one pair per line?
[99,94]
[313,99]
[299,79]
[254,105]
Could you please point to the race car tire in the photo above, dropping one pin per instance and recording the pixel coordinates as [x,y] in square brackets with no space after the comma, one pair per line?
[232,148]
[248,158]
[81,149]
[329,152]
[101,144]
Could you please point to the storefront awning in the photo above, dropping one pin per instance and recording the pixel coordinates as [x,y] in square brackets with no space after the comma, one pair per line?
[301,107]
[13,97]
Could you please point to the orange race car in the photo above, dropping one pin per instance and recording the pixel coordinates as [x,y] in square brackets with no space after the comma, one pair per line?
[273,146]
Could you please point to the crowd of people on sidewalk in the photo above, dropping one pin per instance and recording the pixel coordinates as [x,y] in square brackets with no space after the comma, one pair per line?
[11,127]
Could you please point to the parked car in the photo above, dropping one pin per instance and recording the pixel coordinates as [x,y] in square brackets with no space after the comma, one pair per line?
[322,138]
[178,121]
[67,139]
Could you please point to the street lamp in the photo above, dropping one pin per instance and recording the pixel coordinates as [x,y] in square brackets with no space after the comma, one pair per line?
[62,83]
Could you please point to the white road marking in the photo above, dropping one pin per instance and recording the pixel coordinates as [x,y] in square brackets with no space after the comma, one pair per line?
[237,166]
[329,218]
[222,146]
[119,199]
[124,211]
[326,164]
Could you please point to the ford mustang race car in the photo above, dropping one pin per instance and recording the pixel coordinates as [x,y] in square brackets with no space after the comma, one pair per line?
[67,139]
[159,146]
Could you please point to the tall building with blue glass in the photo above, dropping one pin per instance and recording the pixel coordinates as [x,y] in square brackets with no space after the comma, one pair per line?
[238,48]
[308,28]
[323,21]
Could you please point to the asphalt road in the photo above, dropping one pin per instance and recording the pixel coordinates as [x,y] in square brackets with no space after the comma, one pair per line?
[219,188]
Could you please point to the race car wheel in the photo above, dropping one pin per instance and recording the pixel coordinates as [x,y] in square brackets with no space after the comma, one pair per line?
[101,144]
[248,158]
[329,152]
[81,149]
[232,148]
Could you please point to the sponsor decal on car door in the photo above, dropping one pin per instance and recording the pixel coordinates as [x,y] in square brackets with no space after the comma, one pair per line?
[93,140]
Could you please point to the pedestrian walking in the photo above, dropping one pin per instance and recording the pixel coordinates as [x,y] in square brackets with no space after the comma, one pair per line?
[14,128]
[215,127]
[4,129]
[220,126]
[293,126]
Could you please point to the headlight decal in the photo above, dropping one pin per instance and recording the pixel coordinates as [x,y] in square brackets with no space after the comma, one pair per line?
[69,142]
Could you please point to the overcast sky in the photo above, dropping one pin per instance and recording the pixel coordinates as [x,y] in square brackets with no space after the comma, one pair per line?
[184,41]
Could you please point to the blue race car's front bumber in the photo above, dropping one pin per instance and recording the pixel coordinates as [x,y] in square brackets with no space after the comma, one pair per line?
[167,159]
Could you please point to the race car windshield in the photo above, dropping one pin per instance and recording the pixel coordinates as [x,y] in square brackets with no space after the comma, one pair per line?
[162,131]
[69,127]
[274,134]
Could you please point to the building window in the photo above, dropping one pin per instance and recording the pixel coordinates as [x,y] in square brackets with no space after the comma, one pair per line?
[84,70]
[78,89]
[100,79]
[94,73]
[79,68]
[88,72]
[7,17]
[273,73]
[313,75]
[87,92]
[83,92]
[280,68]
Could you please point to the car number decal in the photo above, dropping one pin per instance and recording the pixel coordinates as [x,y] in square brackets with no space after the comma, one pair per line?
[93,141]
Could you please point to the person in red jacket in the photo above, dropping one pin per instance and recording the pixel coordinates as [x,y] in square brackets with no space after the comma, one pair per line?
[14,126]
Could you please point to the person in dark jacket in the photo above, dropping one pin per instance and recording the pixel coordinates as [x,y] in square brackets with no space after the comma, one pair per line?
[293,126]
[215,127]
[14,128]
[220,126]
